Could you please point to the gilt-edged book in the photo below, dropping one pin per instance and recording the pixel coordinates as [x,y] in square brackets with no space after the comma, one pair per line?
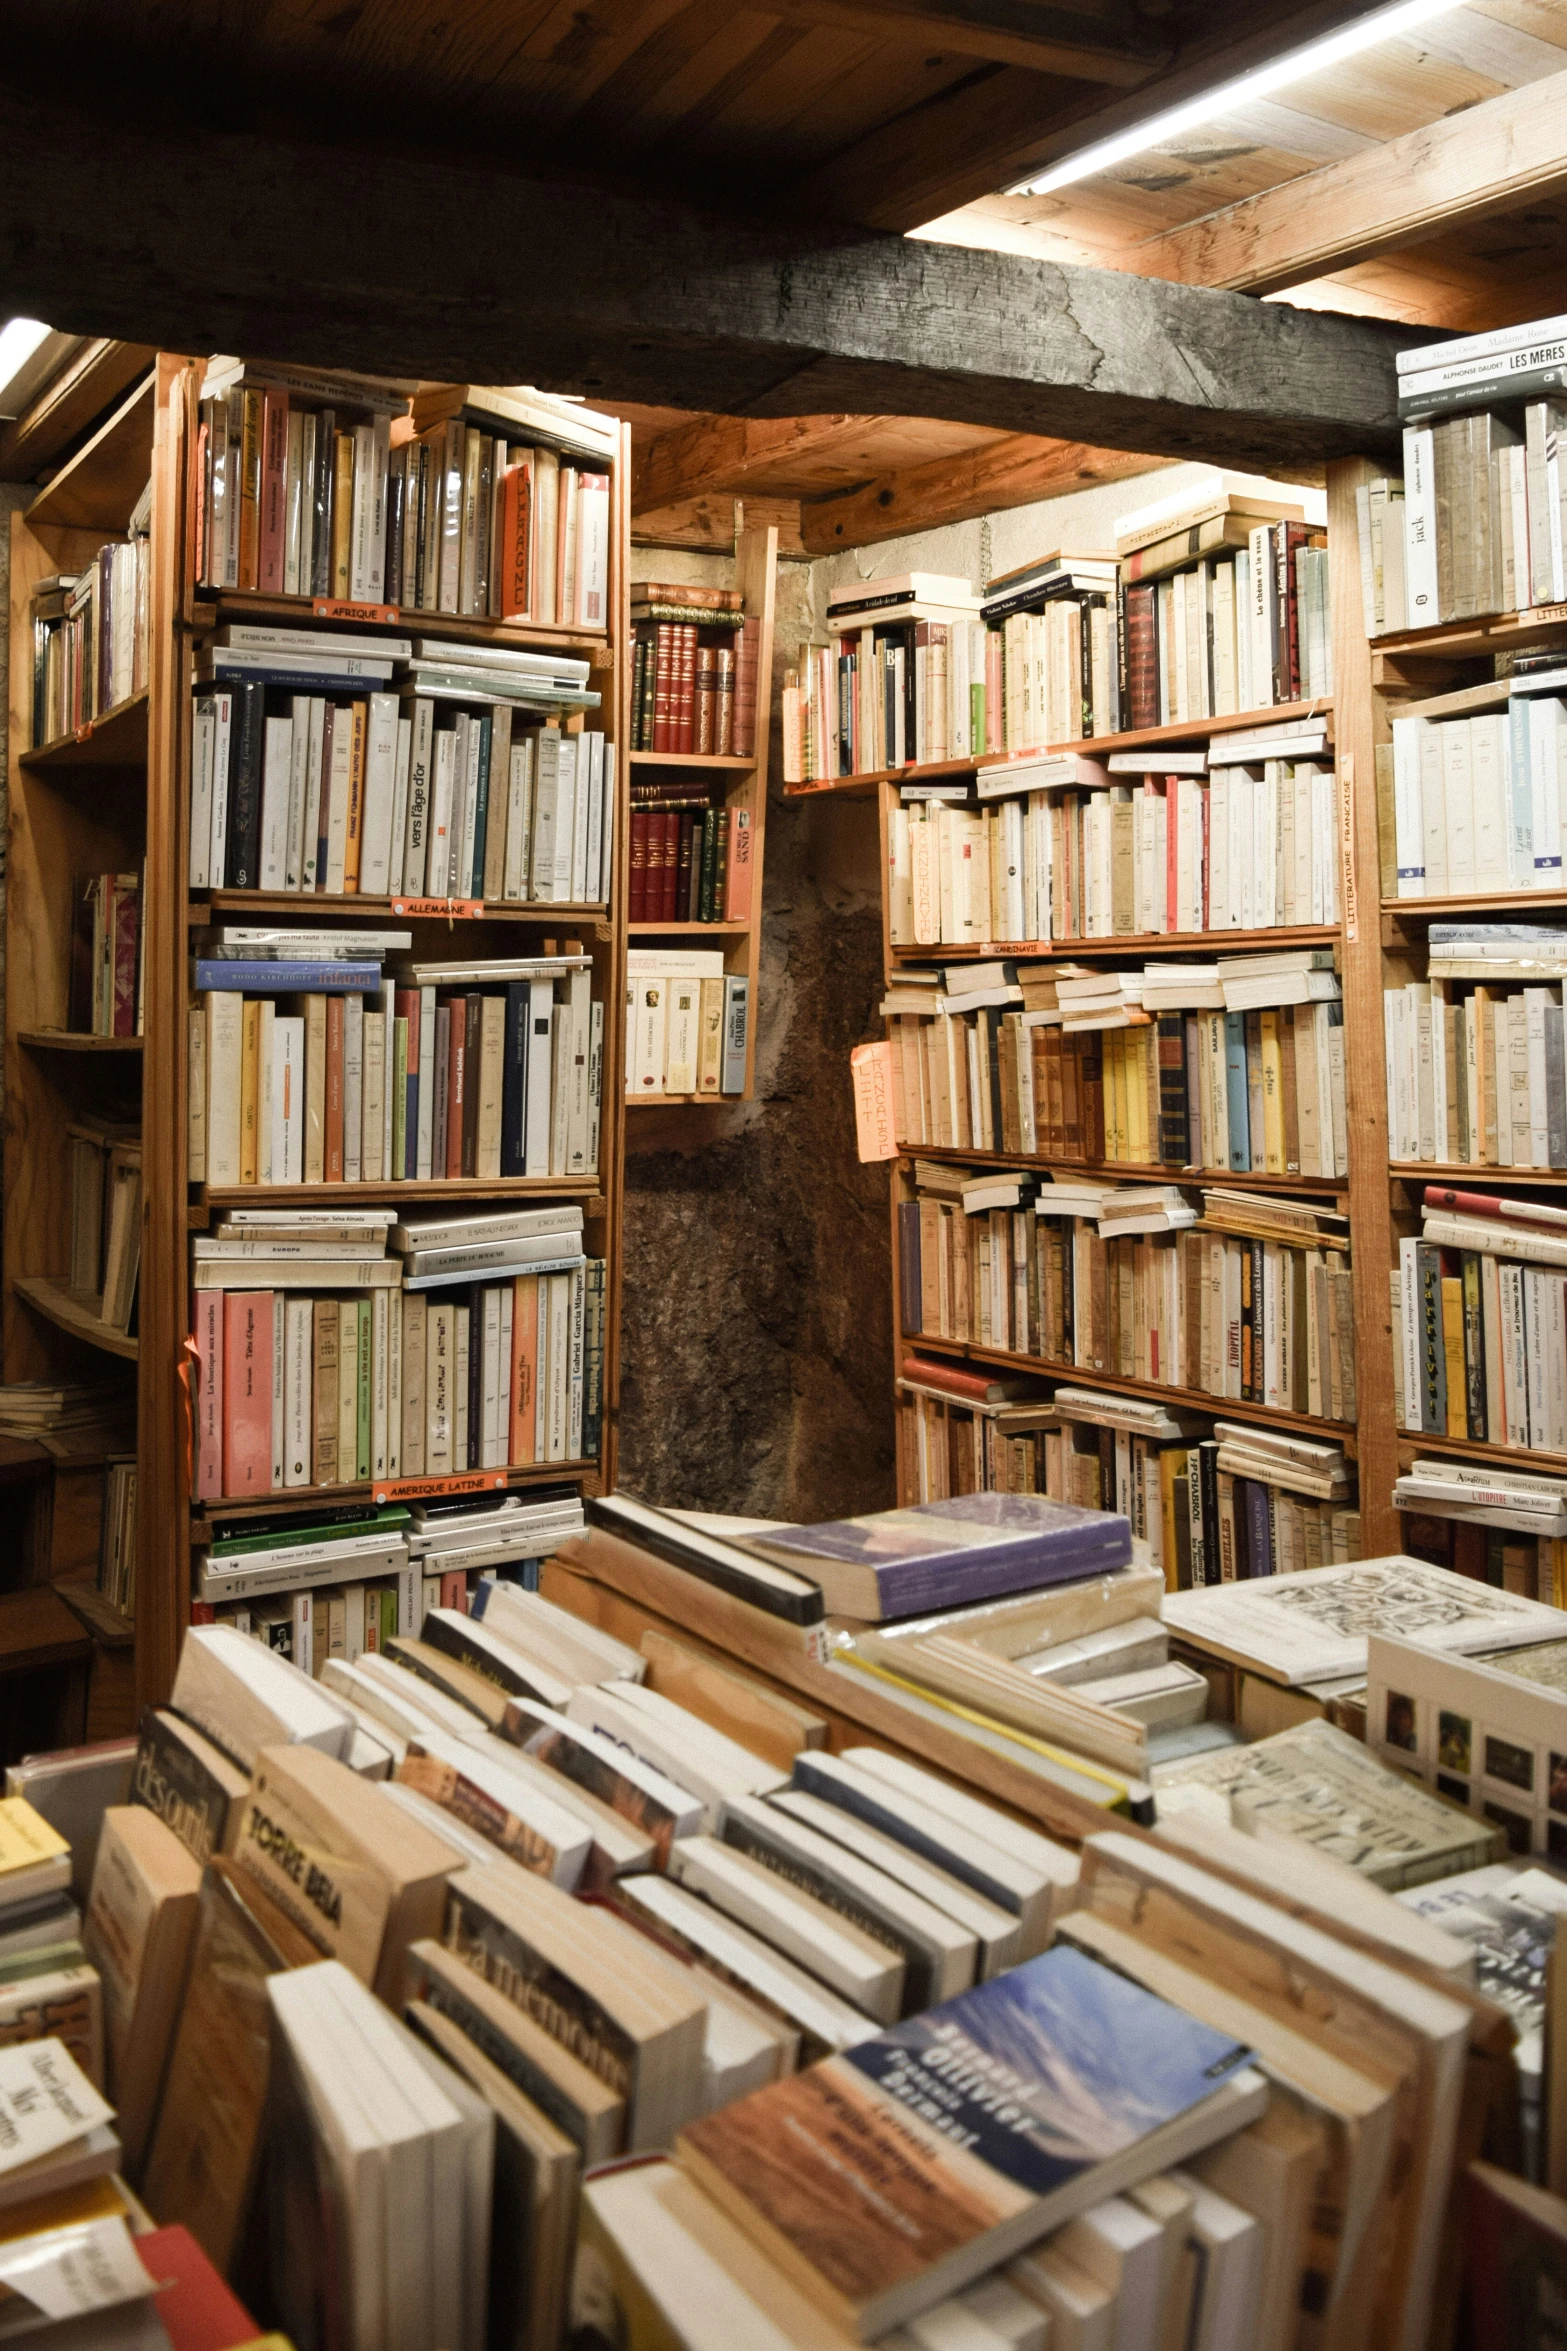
[973,1547]
[895,2173]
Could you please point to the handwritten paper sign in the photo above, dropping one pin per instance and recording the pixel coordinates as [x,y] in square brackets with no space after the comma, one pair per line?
[875,1134]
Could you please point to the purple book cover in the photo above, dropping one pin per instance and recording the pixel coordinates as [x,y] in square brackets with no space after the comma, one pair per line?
[971,1547]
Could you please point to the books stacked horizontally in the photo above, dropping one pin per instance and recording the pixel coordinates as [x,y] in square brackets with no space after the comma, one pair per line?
[1480,1298]
[1475,1065]
[402,1378]
[452,1543]
[1477,801]
[308,1066]
[690,856]
[687,1023]
[693,671]
[904,678]
[89,639]
[314,770]
[1125,1073]
[1238,837]
[48,1984]
[476,513]
[1252,1304]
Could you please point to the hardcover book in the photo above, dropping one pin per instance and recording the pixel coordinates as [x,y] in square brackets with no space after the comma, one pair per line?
[938,1554]
[887,2177]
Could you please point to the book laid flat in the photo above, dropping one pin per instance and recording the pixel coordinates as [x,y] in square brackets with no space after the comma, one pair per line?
[878,2214]
[940,1554]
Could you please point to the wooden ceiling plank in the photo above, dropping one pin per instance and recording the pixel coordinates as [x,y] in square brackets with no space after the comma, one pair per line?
[725,452]
[96,377]
[1011,32]
[1492,158]
[1003,474]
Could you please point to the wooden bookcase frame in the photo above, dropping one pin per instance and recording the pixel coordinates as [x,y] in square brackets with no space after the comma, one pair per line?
[756,576]
[123,787]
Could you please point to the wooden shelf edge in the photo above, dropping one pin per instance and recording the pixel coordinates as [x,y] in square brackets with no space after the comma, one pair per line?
[75,1041]
[205,903]
[390,1194]
[676,1101]
[67,1312]
[305,1498]
[1506,905]
[1481,634]
[1470,1179]
[1516,1457]
[687,929]
[1184,1399]
[1130,943]
[1087,747]
[116,737]
[1135,1171]
[215,604]
[710,762]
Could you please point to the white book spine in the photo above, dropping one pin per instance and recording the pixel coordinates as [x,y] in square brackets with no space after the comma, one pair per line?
[353,1088]
[309,847]
[438,850]
[586,790]
[279,1361]
[203,747]
[299,768]
[591,893]
[426,1086]
[1420,579]
[519,820]
[398,845]
[420,789]
[298,1366]
[380,784]
[276,771]
[566,820]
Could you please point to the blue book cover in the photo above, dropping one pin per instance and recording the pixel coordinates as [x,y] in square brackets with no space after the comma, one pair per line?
[890,2175]
[940,1554]
[1237,1092]
[287,979]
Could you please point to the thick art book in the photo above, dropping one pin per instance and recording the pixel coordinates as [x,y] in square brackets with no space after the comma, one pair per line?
[889,2176]
[895,1563]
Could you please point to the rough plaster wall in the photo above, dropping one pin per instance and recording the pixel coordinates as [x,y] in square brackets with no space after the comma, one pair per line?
[756,1333]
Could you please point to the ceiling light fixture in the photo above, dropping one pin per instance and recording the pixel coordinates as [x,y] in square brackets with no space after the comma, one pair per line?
[1383,24]
[19,339]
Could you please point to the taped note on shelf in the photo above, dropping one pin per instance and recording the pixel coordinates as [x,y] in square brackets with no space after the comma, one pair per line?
[473,1481]
[445,909]
[874,1128]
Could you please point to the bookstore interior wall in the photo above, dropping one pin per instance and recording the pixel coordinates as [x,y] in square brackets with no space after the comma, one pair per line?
[753,1379]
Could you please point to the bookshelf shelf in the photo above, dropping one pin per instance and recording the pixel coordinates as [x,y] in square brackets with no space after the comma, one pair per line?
[74,1041]
[390,1195]
[98,487]
[1471,1179]
[1196,730]
[1126,943]
[707,762]
[1500,632]
[116,739]
[1131,1170]
[1183,1399]
[250,604]
[1508,903]
[69,1311]
[1513,1457]
[210,902]
[304,1498]
[687,930]
[674,1101]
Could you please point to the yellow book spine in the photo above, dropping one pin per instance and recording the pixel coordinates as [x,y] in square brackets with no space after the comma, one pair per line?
[1272,1094]
[249,1085]
[342,514]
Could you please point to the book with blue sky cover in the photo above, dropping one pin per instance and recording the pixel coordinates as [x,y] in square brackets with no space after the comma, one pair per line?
[895,1563]
[891,2175]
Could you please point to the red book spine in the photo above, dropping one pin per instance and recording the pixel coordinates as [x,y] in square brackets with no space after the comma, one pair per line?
[746,652]
[664,641]
[638,889]
[737,901]
[209,1396]
[516,527]
[274,467]
[686,738]
[672,907]
[1142,656]
[454,1590]
[247,1391]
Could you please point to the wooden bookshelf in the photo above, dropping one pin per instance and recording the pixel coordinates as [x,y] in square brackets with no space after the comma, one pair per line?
[745,781]
[137,761]
[1135,1171]
[1125,943]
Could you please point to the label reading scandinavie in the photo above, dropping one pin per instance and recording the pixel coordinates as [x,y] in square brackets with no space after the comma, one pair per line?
[336,608]
[457,909]
[473,1481]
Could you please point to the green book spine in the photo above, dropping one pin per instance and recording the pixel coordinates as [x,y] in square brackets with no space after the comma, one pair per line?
[709,865]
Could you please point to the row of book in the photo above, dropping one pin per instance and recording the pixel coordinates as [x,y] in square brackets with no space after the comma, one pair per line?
[105,1210]
[331,1075]
[117,1537]
[1475,1077]
[1481,1311]
[687,1023]
[1477,802]
[1058,849]
[106,990]
[1086,1078]
[296,1389]
[473,500]
[691,697]
[690,858]
[1213,603]
[1265,1503]
[90,639]
[392,796]
[1253,1304]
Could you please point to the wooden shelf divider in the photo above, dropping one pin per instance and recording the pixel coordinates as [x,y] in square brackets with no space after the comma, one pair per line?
[71,1312]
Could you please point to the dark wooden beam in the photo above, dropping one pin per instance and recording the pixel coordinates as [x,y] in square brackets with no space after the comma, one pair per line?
[207,241]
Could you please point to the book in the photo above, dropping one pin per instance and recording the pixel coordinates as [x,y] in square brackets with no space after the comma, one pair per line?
[188,1782]
[566,2089]
[57,2130]
[138,1929]
[508,1808]
[35,1859]
[963,2206]
[244,1697]
[1516,2235]
[903,1562]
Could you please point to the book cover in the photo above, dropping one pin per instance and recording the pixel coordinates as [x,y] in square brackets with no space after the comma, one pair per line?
[888,2176]
[938,1554]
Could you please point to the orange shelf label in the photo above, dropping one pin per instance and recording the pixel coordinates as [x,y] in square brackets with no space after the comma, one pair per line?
[334,608]
[473,1481]
[458,909]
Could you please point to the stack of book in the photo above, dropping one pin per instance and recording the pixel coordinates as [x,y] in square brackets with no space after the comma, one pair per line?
[1238,837]
[687,1023]
[689,696]
[492,504]
[690,854]
[69,1416]
[49,1987]
[1481,1296]
[1475,1069]
[1477,801]
[904,679]
[89,639]
[1055,664]
[399,1378]
[1252,1303]
[307,1067]
[1112,1066]
[346,783]
[1225,605]
[1504,1526]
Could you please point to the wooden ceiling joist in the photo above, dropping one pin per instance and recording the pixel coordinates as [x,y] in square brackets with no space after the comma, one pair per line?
[725,453]
[1112,46]
[985,480]
[1495,157]
[410,265]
